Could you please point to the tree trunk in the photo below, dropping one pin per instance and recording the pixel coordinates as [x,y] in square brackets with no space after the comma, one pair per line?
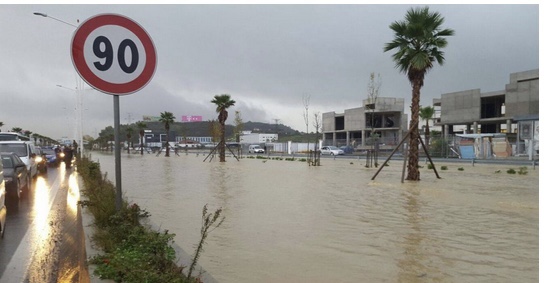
[167,145]
[141,145]
[222,145]
[427,135]
[413,153]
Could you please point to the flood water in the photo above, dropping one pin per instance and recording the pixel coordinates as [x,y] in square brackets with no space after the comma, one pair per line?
[288,222]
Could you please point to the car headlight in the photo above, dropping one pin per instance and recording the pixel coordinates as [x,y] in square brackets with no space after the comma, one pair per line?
[61,154]
[39,159]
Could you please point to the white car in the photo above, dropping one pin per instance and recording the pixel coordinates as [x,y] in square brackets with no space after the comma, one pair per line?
[25,150]
[331,150]
[255,149]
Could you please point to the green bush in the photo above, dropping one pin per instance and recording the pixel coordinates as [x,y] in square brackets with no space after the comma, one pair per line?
[460,169]
[131,252]
[443,167]
[522,170]
[511,171]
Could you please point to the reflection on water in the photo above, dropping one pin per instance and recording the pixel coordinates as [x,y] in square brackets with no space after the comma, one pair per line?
[41,210]
[287,222]
[73,194]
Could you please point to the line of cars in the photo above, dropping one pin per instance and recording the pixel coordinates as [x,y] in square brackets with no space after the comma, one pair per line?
[22,161]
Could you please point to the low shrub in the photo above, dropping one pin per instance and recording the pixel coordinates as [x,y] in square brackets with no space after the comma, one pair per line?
[443,167]
[460,169]
[511,171]
[131,252]
[522,170]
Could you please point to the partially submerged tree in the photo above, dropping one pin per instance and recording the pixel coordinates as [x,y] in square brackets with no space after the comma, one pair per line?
[317,124]
[223,102]
[129,133]
[305,99]
[418,40]
[426,113]
[374,85]
[141,126]
[167,118]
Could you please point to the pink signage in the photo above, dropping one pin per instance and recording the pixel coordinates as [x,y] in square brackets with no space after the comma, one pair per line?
[186,118]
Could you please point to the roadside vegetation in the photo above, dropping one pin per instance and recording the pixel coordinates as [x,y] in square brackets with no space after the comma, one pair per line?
[132,252]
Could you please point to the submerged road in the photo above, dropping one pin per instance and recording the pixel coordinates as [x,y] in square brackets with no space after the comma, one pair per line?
[44,240]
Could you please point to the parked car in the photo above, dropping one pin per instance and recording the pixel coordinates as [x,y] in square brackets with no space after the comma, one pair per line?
[16,174]
[3,209]
[25,150]
[331,150]
[255,149]
[347,149]
[41,161]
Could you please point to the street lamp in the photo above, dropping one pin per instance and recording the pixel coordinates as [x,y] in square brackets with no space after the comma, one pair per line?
[78,90]
[48,16]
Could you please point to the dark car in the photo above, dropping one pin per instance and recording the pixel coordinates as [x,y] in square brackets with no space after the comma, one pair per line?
[16,174]
[41,161]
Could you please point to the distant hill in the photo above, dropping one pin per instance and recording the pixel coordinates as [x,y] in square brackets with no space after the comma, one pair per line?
[202,129]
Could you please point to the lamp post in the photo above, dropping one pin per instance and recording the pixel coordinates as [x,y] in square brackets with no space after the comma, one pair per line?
[78,89]
[48,16]
[79,92]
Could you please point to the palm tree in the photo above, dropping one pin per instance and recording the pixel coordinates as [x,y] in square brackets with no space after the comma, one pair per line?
[426,113]
[167,118]
[129,133]
[16,130]
[223,102]
[141,126]
[418,40]
[1,125]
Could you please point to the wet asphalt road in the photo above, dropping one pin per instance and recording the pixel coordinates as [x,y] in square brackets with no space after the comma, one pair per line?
[44,240]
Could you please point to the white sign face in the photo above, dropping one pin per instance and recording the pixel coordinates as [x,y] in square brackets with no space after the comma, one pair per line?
[113,54]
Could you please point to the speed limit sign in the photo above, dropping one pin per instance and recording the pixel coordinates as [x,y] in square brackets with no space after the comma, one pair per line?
[113,54]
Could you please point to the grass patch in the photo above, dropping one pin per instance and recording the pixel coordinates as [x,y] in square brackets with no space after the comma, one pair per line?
[131,252]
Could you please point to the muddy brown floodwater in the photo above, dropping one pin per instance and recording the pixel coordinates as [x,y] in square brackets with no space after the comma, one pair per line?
[288,222]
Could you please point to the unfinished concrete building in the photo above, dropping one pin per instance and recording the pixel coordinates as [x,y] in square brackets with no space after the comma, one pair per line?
[505,111]
[384,116]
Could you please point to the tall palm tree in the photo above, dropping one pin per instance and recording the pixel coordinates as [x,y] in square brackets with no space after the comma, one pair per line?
[129,133]
[223,102]
[1,125]
[167,118]
[426,113]
[17,130]
[418,40]
[141,126]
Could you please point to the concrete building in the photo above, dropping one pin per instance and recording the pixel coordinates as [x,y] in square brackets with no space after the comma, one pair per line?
[354,126]
[258,138]
[490,112]
[504,111]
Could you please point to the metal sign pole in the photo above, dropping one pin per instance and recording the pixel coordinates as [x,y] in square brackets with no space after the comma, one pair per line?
[117,153]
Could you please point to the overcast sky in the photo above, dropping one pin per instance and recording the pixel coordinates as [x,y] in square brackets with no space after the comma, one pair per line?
[267,57]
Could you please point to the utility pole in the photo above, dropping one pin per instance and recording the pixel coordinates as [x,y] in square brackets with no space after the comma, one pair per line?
[277,127]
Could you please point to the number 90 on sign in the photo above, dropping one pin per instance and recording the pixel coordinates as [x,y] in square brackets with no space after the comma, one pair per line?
[114,54]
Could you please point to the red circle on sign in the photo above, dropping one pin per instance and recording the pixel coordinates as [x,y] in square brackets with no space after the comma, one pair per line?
[78,58]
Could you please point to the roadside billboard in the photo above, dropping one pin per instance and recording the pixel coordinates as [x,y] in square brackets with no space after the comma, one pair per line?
[147,118]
